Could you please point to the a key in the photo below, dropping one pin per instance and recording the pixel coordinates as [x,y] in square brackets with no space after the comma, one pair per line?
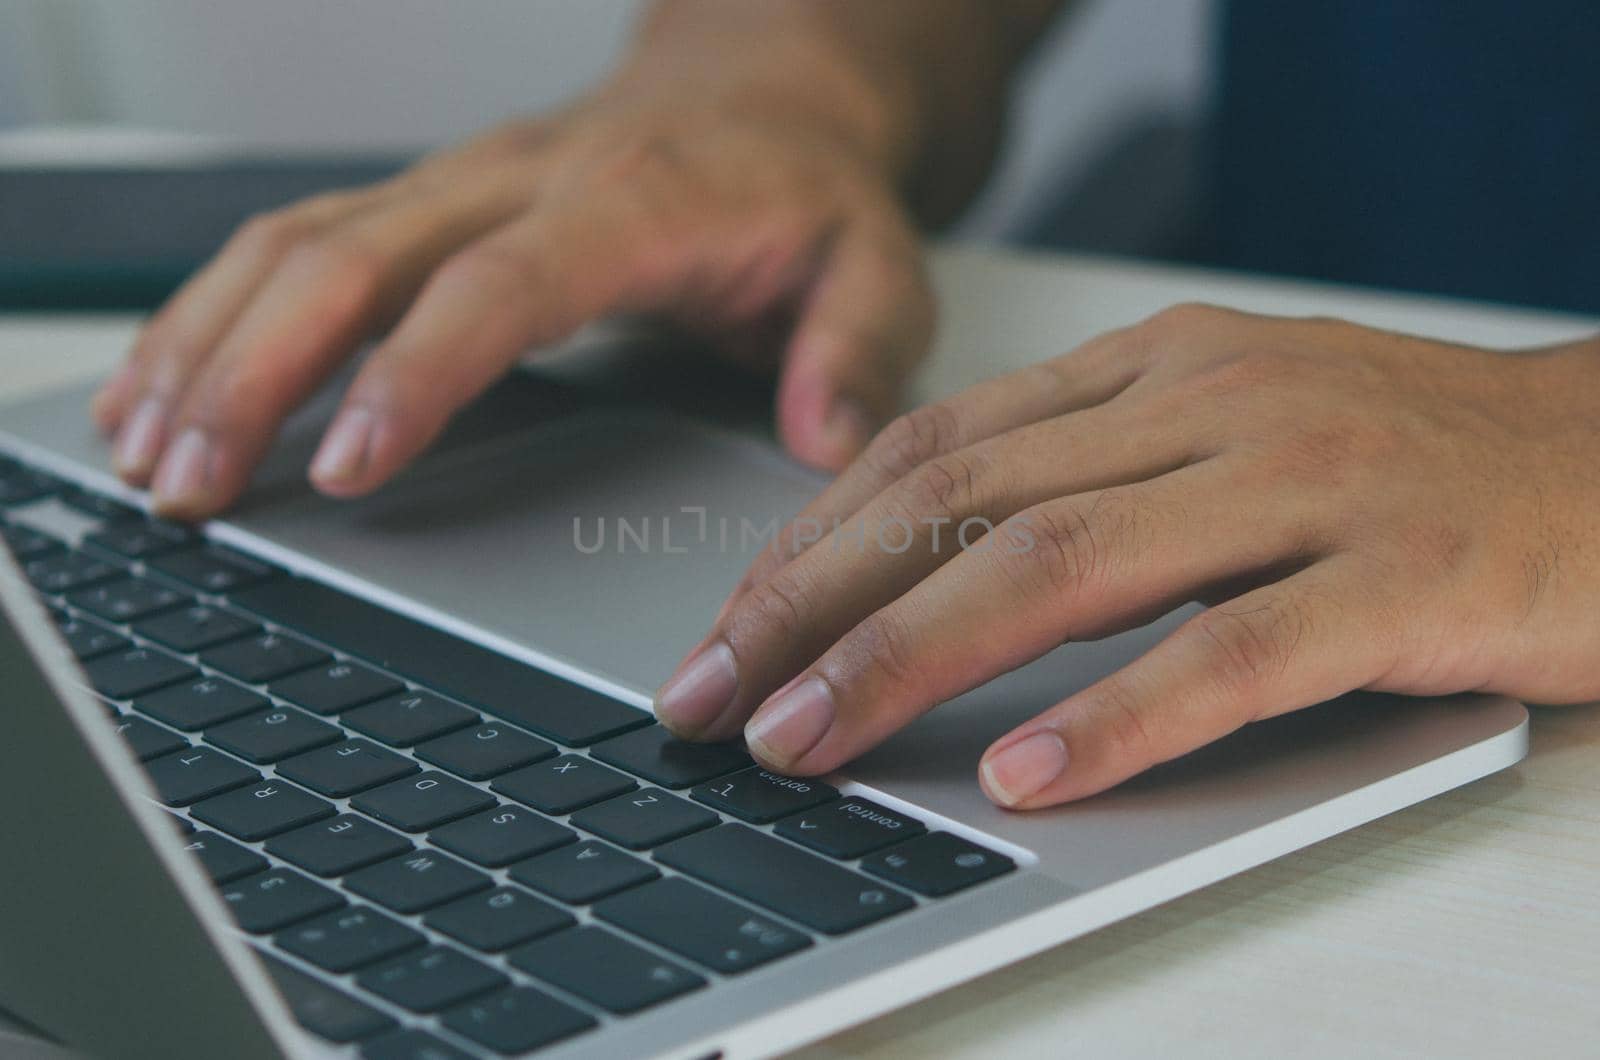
[419,803]
[498,837]
[692,922]
[342,769]
[583,873]
[26,543]
[199,704]
[430,979]
[197,773]
[257,811]
[272,734]
[409,718]
[759,796]
[485,751]
[126,674]
[416,881]
[516,1020]
[146,739]
[785,879]
[87,639]
[563,784]
[20,486]
[223,859]
[348,939]
[211,569]
[194,629]
[937,864]
[140,540]
[661,758]
[605,970]
[101,507]
[66,572]
[849,828]
[459,669]
[339,845]
[323,1010]
[127,599]
[643,818]
[333,688]
[498,919]
[271,900]
[411,1044]
[259,659]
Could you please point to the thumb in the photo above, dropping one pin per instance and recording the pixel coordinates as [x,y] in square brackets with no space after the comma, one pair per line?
[867,324]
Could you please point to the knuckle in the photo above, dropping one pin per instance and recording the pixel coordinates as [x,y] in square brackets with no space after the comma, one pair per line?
[1072,544]
[1250,644]
[1126,729]
[492,266]
[911,440]
[778,607]
[273,234]
[882,645]
[945,487]
[345,268]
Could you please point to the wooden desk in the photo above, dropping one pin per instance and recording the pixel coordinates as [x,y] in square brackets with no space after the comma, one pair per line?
[1466,926]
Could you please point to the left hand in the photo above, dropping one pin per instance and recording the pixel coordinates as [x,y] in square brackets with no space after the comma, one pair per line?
[1361,510]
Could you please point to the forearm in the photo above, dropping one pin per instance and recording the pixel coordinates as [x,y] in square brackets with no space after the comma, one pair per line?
[919,86]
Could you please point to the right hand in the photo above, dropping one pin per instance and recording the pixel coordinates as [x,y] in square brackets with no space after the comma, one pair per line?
[769,229]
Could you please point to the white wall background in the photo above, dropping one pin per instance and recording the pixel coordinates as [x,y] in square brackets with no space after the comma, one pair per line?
[351,74]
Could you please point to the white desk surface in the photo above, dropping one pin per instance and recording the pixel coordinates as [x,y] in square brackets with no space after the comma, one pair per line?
[1466,926]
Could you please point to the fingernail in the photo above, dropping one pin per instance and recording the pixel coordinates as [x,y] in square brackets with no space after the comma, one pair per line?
[182,477]
[789,726]
[847,428]
[139,442]
[699,692]
[1013,774]
[343,452]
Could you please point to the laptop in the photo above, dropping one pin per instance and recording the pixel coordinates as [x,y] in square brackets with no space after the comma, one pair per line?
[379,779]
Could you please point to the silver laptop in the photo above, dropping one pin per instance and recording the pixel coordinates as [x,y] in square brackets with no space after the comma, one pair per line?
[379,779]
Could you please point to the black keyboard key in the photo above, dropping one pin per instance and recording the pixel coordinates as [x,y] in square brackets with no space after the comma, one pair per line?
[692,922]
[269,901]
[26,543]
[324,1010]
[223,859]
[563,784]
[583,873]
[199,704]
[350,938]
[416,881]
[605,970]
[498,837]
[643,818]
[140,540]
[516,1020]
[87,638]
[485,751]
[409,718]
[498,920]
[211,569]
[336,687]
[937,864]
[18,485]
[134,672]
[146,739]
[785,879]
[194,629]
[431,979]
[272,734]
[849,828]
[127,599]
[419,803]
[760,796]
[411,1045]
[337,846]
[98,505]
[457,668]
[257,660]
[197,773]
[661,758]
[257,811]
[342,769]
[65,572]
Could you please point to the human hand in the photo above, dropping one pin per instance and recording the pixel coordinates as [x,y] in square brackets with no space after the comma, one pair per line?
[761,220]
[1360,510]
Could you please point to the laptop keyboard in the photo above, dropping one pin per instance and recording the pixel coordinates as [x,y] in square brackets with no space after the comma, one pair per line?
[439,850]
